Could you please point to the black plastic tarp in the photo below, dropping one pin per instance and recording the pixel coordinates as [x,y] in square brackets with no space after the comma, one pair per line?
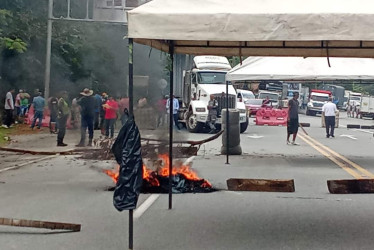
[127,151]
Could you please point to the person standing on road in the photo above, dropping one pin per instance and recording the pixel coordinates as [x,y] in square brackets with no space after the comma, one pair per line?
[161,111]
[18,105]
[328,110]
[293,118]
[98,107]
[24,103]
[62,116]
[9,107]
[357,110]
[38,103]
[110,107]
[349,108]
[212,114]
[87,104]
[52,106]
[104,98]
[175,110]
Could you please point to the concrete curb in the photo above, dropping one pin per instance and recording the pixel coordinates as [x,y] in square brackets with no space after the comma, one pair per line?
[353,126]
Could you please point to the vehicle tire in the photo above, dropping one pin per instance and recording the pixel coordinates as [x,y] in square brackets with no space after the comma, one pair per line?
[193,125]
[244,126]
[307,112]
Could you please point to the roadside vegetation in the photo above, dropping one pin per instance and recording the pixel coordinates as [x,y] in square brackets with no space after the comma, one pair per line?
[4,135]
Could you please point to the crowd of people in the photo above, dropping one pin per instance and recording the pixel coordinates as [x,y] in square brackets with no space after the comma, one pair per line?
[15,108]
[88,112]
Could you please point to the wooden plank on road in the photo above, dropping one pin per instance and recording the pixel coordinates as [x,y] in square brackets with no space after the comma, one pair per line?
[40,224]
[262,185]
[352,186]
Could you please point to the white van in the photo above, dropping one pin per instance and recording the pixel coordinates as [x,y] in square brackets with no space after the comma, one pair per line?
[244,95]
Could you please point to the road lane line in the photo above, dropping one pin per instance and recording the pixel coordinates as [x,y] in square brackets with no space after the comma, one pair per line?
[364,172]
[355,165]
[362,130]
[332,158]
[28,163]
[145,205]
[349,136]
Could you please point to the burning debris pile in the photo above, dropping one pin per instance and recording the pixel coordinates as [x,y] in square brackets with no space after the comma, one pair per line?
[184,180]
[101,150]
[150,149]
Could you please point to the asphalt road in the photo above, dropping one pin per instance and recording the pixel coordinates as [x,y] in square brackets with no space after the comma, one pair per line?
[71,190]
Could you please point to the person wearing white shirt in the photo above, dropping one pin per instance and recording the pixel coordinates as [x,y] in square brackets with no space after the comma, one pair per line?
[329,110]
[9,107]
[175,110]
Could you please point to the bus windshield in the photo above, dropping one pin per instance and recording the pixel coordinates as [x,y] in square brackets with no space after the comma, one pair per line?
[211,77]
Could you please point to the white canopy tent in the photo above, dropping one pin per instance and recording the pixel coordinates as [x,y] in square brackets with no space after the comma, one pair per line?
[300,69]
[256,27]
[319,28]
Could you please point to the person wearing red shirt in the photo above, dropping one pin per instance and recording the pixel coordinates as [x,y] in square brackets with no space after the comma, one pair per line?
[110,108]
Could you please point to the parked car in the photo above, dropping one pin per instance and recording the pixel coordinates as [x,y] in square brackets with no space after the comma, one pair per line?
[244,95]
[253,105]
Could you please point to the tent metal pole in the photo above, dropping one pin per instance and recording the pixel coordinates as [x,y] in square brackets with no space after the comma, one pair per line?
[227,123]
[171,107]
[131,77]
[131,229]
[131,111]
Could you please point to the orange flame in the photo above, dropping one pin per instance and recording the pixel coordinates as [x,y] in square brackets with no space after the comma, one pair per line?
[114,174]
[184,170]
[151,176]
[147,175]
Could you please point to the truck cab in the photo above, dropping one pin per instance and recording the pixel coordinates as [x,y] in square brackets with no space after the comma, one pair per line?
[317,98]
[354,98]
[206,78]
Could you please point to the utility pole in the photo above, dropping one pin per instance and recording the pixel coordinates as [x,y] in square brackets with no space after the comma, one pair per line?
[47,75]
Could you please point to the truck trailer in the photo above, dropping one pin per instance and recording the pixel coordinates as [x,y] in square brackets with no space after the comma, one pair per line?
[367,107]
[337,94]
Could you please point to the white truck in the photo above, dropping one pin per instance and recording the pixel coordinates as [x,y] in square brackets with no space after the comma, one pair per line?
[316,100]
[208,77]
[354,98]
[367,107]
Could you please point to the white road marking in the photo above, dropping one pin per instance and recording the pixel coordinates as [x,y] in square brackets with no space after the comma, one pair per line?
[365,131]
[28,163]
[151,199]
[255,136]
[234,192]
[349,136]
[145,205]
[342,126]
